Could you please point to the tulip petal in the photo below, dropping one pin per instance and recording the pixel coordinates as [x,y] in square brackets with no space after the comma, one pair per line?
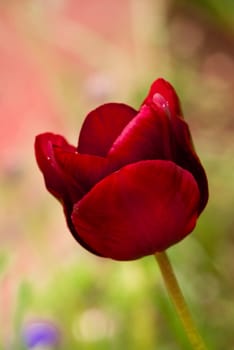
[44,150]
[164,88]
[186,157]
[102,126]
[58,182]
[142,208]
[85,169]
[182,146]
[163,96]
[147,136]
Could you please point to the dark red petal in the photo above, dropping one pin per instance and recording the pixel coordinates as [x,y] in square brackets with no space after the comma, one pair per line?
[85,169]
[44,150]
[147,136]
[102,126]
[143,208]
[186,157]
[163,96]
[60,184]
[164,88]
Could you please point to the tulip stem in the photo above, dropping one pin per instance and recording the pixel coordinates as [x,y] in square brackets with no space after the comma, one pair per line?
[179,301]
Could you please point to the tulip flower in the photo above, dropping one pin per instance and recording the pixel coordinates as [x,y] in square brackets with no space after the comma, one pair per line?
[134,184]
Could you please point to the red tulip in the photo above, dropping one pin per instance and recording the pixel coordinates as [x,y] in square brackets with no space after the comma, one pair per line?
[134,184]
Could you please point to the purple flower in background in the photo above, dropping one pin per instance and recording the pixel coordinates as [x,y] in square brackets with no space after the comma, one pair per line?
[40,333]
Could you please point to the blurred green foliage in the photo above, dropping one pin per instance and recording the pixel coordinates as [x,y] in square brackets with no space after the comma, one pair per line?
[222,11]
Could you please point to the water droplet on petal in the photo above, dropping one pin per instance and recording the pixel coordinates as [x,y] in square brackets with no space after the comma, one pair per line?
[159,100]
[162,103]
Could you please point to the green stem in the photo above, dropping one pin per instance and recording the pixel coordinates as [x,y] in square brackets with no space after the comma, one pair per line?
[179,301]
